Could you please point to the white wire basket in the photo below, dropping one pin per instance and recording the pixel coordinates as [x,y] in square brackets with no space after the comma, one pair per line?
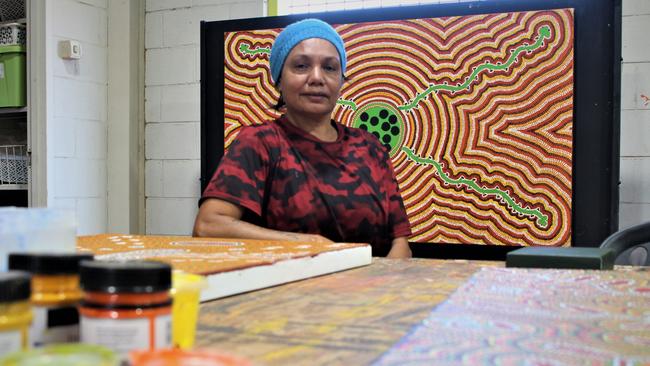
[13,164]
[12,34]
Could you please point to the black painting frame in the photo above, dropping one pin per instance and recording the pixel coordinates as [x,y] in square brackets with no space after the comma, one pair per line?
[595,195]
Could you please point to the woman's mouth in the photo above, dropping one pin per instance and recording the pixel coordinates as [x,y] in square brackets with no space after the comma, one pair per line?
[315,96]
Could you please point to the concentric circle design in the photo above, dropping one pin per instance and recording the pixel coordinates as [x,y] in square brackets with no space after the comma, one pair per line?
[382,120]
[484,105]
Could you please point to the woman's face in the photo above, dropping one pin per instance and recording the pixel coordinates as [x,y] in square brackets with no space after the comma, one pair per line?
[311,78]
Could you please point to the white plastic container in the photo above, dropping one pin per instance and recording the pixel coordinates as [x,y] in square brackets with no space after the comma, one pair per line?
[34,230]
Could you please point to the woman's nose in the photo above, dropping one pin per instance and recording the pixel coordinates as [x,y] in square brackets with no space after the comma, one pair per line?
[316,75]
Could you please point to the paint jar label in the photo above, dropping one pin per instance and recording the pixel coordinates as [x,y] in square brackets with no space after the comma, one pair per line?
[11,341]
[125,335]
[54,325]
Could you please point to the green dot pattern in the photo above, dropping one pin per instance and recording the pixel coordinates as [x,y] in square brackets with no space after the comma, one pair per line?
[382,120]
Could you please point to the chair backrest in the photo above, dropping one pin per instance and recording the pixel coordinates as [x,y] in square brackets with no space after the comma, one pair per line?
[632,245]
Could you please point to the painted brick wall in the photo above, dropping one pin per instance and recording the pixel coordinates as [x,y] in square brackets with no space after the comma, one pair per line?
[78,116]
[172,100]
[635,114]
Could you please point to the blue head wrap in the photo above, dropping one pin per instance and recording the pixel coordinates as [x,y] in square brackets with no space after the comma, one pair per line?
[298,32]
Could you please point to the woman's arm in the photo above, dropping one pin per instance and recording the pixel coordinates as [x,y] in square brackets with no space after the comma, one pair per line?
[221,219]
[400,249]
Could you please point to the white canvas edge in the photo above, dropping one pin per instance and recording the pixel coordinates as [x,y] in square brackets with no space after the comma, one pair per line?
[254,278]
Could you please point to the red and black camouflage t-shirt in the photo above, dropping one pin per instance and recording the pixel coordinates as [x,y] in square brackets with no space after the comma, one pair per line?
[289,180]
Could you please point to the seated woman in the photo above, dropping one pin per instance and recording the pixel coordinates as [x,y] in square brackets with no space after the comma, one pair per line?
[305,177]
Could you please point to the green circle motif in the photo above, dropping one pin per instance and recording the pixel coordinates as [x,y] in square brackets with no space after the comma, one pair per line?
[382,120]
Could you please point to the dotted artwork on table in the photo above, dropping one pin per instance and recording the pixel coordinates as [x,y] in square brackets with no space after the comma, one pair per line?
[202,255]
[515,316]
[476,112]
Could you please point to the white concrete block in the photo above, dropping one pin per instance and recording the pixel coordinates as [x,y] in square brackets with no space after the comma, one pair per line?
[249,9]
[92,216]
[170,216]
[153,33]
[635,133]
[181,103]
[181,178]
[179,28]
[74,178]
[75,20]
[64,204]
[96,3]
[172,141]
[64,137]
[171,65]
[636,7]
[152,95]
[210,13]
[631,214]
[91,139]
[66,180]
[197,3]
[153,178]
[635,85]
[92,177]
[91,67]
[635,180]
[636,46]
[153,5]
[79,99]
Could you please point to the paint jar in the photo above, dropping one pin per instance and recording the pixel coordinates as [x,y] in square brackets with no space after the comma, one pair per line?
[126,305]
[186,291]
[177,357]
[15,311]
[55,295]
[72,354]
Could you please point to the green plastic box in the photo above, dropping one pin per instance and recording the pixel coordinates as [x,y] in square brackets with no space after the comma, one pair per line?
[13,92]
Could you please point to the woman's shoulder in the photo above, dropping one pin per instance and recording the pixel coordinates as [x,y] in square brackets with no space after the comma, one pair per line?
[258,131]
[365,143]
[360,135]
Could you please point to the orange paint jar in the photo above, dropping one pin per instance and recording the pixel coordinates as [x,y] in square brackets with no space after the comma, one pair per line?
[55,295]
[126,306]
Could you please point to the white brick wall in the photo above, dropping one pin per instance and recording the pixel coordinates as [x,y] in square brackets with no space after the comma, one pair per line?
[172,106]
[635,114]
[78,123]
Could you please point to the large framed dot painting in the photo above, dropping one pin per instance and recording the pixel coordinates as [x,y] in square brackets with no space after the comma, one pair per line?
[501,117]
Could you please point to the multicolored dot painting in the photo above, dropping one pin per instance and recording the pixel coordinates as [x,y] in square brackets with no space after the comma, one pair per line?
[476,111]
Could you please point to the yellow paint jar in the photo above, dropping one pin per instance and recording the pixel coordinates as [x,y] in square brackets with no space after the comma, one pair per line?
[186,291]
[55,294]
[15,311]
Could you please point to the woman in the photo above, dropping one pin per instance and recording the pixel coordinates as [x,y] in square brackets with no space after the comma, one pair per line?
[304,177]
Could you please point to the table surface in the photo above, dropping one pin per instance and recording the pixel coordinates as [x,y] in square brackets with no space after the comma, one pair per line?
[356,316]
[350,317]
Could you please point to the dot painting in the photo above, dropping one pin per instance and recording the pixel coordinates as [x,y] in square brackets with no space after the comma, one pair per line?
[476,112]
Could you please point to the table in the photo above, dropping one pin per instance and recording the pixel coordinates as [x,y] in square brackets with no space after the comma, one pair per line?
[354,317]
[350,317]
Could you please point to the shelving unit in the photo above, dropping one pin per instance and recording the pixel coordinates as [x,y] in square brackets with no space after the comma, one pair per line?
[14,156]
